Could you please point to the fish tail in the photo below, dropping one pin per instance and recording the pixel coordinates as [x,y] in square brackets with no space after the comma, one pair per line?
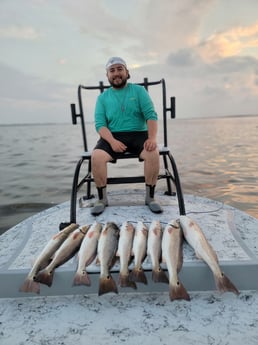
[106,285]
[124,281]
[159,276]
[224,284]
[45,277]
[30,285]
[138,275]
[178,291]
[81,278]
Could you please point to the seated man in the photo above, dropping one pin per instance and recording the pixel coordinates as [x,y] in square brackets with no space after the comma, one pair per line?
[126,121]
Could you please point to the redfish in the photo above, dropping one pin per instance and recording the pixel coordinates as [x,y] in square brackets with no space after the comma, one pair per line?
[124,252]
[107,247]
[172,255]
[87,253]
[30,284]
[154,252]
[64,253]
[139,251]
[197,240]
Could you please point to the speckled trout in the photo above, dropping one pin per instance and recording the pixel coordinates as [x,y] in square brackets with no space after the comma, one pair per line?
[154,252]
[107,247]
[30,285]
[124,252]
[197,240]
[87,253]
[172,255]
[64,253]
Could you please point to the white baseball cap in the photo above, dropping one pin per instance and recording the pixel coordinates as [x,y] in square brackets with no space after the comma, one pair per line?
[115,60]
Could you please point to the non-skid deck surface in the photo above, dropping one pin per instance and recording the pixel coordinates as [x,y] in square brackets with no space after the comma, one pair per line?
[232,234]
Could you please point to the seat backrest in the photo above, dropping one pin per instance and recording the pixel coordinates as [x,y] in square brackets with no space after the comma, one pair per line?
[101,87]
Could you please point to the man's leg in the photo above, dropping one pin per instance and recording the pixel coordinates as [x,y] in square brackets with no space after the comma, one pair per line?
[151,172]
[99,160]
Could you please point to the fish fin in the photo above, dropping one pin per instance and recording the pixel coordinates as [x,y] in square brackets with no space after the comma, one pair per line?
[159,276]
[106,285]
[30,285]
[138,275]
[224,284]
[81,278]
[178,291]
[45,277]
[124,281]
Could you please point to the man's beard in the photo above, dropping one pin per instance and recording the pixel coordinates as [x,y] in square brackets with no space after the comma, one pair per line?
[118,85]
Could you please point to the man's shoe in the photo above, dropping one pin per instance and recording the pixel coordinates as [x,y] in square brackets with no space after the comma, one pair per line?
[154,206]
[98,207]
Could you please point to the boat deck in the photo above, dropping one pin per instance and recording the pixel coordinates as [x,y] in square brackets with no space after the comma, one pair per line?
[132,317]
[233,235]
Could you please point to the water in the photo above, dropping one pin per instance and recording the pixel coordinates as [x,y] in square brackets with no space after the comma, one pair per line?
[216,158]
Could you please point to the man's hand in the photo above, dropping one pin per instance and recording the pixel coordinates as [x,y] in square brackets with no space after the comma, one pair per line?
[150,145]
[118,146]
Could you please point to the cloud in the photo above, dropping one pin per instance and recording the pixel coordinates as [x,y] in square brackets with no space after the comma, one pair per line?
[226,86]
[19,32]
[144,30]
[236,41]
[25,99]
[63,44]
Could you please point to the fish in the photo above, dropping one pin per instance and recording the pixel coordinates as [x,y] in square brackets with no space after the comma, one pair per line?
[124,252]
[203,250]
[107,248]
[64,253]
[172,255]
[30,284]
[87,253]
[139,251]
[154,252]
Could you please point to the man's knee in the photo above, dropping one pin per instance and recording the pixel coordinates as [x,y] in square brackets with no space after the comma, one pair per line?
[99,156]
[150,155]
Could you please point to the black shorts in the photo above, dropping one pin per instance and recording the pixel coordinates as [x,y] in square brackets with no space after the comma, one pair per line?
[133,140]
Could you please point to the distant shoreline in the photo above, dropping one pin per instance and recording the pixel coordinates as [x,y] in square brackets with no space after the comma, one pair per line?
[69,123]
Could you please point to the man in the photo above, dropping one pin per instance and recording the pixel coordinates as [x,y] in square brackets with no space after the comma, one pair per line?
[126,120]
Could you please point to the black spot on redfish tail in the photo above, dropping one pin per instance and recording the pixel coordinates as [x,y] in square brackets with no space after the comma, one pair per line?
[30,285]
[224,284]
[45,277]
[159,276]
[124,281]
[106,285]
[178,291]
[137,275]
[81,279]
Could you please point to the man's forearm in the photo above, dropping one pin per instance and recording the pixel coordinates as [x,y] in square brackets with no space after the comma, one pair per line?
[152,129]
[105,133]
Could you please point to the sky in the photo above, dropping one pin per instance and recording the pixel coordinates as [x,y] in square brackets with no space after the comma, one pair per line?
[206,50]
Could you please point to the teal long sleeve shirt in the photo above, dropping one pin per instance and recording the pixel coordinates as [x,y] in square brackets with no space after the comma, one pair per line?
[124,110]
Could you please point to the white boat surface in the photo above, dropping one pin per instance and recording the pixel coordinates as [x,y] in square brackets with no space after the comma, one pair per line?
[232,233]
[63,314]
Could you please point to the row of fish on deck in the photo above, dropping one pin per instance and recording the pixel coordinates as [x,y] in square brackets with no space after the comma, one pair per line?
[105,244]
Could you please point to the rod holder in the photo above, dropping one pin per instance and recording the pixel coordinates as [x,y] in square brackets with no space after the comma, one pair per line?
[172,108]
[74,115]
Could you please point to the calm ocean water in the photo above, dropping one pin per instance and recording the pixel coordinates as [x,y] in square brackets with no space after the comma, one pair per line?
[216,158]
